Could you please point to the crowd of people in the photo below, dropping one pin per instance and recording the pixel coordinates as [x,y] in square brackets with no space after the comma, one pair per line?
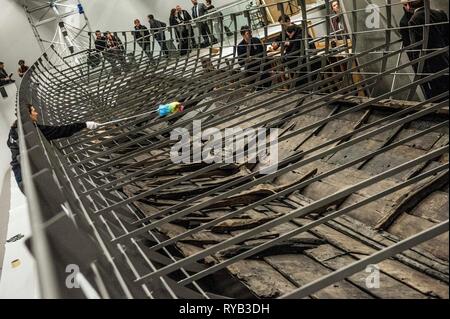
[109,46]
[294,43]
[291,41]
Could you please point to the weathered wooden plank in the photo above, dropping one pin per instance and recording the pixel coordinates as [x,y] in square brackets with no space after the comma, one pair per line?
[415,258]
[303,270]
[336,258]
[261,278]
[388,104]
[433,207]
[407,225]
[412,199]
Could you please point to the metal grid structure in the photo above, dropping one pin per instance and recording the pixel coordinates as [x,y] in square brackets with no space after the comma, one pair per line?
[55,15]
[138,225]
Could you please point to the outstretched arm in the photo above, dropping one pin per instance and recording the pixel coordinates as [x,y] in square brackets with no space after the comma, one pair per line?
[55,132]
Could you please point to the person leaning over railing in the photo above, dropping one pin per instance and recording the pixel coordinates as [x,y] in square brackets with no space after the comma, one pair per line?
[285,22]
[199,10]
[95,56]
[293,54]
[142,36]
[158,27]
[184,19]
[214,18]
[4,77]
[250,53]
[114,52]
[23,68]
[49,132]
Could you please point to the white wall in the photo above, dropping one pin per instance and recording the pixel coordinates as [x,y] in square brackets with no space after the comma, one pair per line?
[16,37]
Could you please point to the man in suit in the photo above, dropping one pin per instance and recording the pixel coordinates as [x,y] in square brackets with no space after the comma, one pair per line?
[438,38]
[199,10]
[184,17]
[158,28]
[4,77]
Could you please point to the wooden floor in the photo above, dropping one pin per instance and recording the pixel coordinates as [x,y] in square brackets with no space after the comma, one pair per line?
[418,273]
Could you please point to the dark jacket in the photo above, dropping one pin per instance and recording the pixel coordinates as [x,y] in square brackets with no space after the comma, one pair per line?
[184,16]
[200,8]
[254,50]
[296,44]
[141,32]
[299,33]
[22,69]
[100,44]
[49,132]
[3,74]
[438,33]
[158,27]
[438,37]
[404,32]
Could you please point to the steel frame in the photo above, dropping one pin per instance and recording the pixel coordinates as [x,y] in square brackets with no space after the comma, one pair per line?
[88,172]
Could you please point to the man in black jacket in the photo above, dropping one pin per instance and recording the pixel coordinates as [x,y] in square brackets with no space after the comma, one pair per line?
[438,38]
[49,132]
[285,22]
[100,41]
[295,54]
[95,56]
[251,55]
[4,77]
[158,29]
[199,10]
[185,19]
[142,36]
